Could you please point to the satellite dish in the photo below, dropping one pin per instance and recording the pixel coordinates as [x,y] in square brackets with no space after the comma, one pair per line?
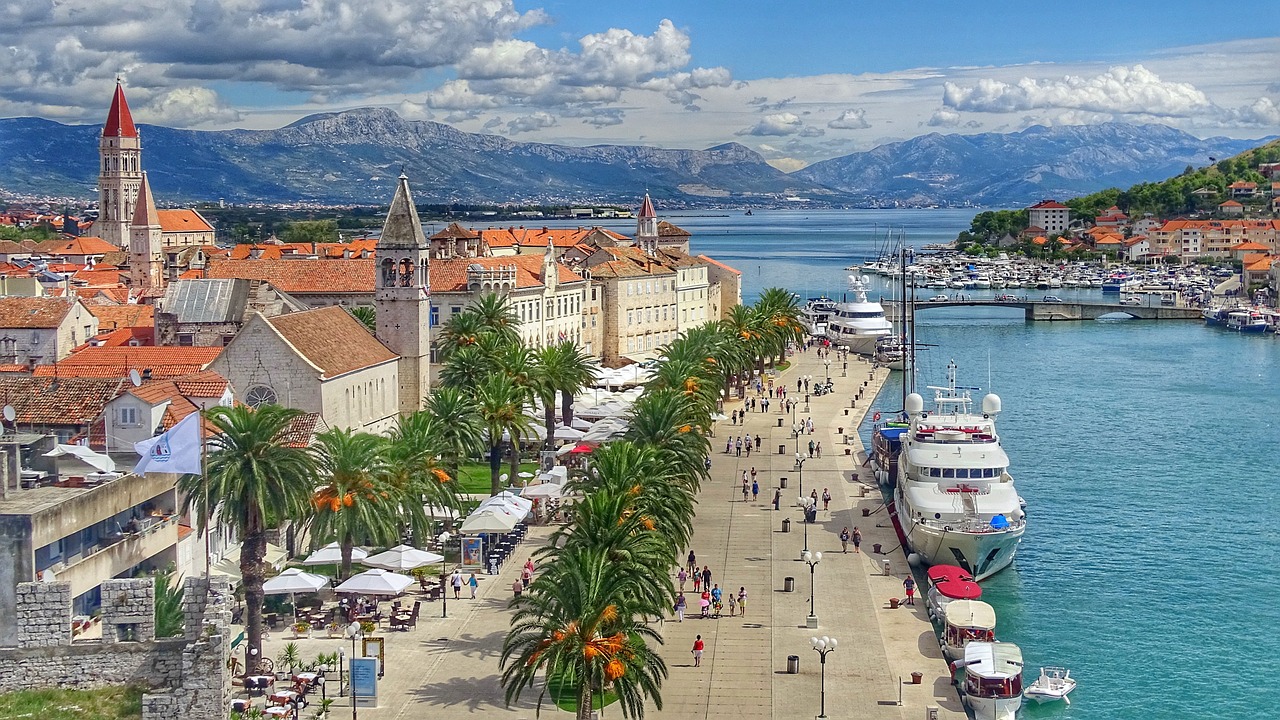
[866,280]
[135,378]
[9,413]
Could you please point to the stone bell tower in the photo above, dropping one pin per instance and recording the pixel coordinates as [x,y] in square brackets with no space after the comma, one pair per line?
[402,298]
[119,172]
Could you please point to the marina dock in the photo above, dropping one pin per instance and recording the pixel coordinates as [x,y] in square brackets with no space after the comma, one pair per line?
[1040,311]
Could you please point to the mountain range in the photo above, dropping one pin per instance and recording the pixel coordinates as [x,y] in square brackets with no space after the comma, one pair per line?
[352,156]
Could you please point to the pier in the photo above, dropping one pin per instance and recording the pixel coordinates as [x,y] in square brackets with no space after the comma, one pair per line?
[1041,311]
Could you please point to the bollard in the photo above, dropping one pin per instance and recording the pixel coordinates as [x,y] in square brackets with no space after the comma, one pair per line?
[916,677]
[876,549]
[887,568]
[848,451]
[866,512]
[893,603]
[779,422]
[846,412]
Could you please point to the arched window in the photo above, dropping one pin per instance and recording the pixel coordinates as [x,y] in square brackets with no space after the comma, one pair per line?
[406,273]
[388,273]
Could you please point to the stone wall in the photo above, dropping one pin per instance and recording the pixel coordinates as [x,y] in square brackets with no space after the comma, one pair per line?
[190,673]
[128,610]
[43,616]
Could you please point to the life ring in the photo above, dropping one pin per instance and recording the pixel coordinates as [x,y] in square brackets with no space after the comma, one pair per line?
[876,416]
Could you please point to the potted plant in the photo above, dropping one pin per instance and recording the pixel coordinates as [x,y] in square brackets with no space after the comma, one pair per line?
[301,629]
[335,630]
[368,627]
[290,658]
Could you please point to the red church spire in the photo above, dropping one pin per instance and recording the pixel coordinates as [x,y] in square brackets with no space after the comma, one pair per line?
[646,208]
[119,121]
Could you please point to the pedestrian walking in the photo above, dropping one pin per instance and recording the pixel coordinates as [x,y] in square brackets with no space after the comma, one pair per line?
[681,604]
[748,448]
[737,446]
[857,539]
[456,581]
[818,449]
[746,489]
[693,563]
[759,439]
[744,477]
[697,581]
[844,539]
[474,585]
[910,586]
[742,601]
[682,576]
[777,498]
[826,499]
[517,587]
[704,603]
[698,647]
[706,575]
[810,448]
[728,445]
[755,490]
[733,605]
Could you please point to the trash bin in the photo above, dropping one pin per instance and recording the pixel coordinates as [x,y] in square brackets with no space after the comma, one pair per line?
[779,422]
[916,677]
[789,584]
[782,448]
[786,525]
[793,664]
[782,482]
[876,548]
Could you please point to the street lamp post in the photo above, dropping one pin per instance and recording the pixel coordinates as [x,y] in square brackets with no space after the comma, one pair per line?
[353,633]
[800,467]
[342,662]
[807,504]
[444,595]
[827,362]
[812,560]
[823,646]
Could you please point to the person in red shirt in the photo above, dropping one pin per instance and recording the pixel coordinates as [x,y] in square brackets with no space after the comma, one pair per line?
[697,651]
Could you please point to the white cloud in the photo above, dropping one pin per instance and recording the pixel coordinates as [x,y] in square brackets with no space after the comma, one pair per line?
[774,125]
[188,107]
[1263,112]
[854,119]
[942,117]
[810,131]
[529,123]
[1118,90]
[788,164]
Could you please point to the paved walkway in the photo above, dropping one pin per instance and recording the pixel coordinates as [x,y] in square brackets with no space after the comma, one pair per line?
[448,668]
[744,667]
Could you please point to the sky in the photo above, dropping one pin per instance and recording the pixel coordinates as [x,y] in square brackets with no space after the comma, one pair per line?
[798,82]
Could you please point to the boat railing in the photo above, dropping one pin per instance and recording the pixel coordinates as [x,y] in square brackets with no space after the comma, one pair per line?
[970,526]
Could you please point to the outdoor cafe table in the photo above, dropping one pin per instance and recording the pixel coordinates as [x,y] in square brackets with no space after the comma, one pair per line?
[306,677]
[282,697]
[280,711]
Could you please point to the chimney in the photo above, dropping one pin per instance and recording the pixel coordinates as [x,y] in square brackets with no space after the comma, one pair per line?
[146,374]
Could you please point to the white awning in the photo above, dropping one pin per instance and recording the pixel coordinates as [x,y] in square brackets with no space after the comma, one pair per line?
[971,614]
[376,582]
[84,455]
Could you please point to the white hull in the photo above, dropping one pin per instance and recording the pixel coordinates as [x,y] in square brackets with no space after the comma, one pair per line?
[981,553]
[994,708]
[859,344]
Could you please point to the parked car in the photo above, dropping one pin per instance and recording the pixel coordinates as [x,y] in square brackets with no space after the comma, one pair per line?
[1133,300]
[1052,298]
[939,298]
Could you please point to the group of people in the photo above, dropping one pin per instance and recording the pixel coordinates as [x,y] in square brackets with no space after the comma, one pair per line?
[736,444]
[711,598]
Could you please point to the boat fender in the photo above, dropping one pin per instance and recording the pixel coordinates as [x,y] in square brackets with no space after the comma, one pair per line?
[876,417]
[915,560]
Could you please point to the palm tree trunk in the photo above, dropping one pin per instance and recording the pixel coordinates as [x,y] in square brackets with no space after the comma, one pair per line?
[495,468]
[566,407]
[515,458]
[344,570]
[584,699]
[252,550]
[549,410]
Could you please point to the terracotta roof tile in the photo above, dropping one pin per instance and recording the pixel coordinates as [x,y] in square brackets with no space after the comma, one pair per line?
[666,229]
[58,401]
[111,317]
[332,340]
[719,264]
[32,312]
[119,119]
[88,245]
[451,275]
[177,221]
[206,384]
[116,362]
[299,277]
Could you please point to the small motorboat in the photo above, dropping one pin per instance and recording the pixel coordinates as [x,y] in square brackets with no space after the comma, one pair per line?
[1054,683]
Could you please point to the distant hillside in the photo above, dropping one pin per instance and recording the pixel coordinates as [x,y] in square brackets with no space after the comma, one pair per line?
[351,157]
[1019,168]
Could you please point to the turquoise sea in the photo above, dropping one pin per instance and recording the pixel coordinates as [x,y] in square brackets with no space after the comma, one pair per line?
[1148,454]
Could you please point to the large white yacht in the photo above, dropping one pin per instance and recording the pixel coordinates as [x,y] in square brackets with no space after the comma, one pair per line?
[858,325]
[815,313]
[955,501]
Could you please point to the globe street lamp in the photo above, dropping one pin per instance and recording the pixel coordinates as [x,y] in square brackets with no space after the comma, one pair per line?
[809,505]
[812,560]
[824,646]
[342,662]
[800,467]
[353,633]
[827,362]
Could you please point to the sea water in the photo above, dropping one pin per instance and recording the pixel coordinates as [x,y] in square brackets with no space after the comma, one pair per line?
[1148,455]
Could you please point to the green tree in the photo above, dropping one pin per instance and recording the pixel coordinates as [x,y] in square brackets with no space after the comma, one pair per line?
[168,604]
[254,477]
[413,453]
[458,430]
[500,406]
[355,504]
[367,317]
[562,368]
[311,231]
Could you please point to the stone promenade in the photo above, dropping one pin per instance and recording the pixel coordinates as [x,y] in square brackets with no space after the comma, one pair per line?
[448,667]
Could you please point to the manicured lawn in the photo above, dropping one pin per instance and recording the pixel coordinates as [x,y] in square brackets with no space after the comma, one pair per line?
[115,703]
[473,477]
[565,696]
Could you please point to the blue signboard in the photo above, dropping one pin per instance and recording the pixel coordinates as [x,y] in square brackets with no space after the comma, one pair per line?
[364,681]
[472,551]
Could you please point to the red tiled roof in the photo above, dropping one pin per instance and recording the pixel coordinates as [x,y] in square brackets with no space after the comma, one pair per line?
[1230,203]
[1048,205]
[33,312]
[451,275]
[116,362]
[58,401]
[455,231]
[332,340]
[300,277]
[666,229]
[119,119]
[206,384]
[646,208]
[87,245]
[111,317]
[176,221]
[1250,245]
[719,264]
[541,237]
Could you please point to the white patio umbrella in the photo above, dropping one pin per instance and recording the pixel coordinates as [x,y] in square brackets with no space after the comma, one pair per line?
[567,433]
[490,519]
[229,565]
[376,582]
[506,497]
[524,474]
[402,557]
[82,453]
[294,580]
[331,554]
[580,424]
[545,490]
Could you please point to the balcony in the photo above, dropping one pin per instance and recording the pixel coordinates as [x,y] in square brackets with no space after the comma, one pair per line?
[87,569]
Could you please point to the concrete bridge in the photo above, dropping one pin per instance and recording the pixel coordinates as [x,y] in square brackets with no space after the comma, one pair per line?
[1040,311]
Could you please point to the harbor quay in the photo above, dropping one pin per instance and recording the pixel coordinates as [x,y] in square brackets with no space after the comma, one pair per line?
[447,667]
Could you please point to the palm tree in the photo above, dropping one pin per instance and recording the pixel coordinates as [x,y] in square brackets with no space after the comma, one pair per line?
[577,624]
[356,505]
[458,432]
[367,317]
[415,446]
[252,476]
[459,331]
[496,316]
[465,365]
[566,369]
[500,406]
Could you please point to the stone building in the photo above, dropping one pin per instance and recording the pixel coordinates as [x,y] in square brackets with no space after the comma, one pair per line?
[402,297]
[35,330]
[1051,215]
[119,172]
[209,313]
[321,361]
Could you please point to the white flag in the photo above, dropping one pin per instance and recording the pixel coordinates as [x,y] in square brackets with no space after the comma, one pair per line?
[176,451]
